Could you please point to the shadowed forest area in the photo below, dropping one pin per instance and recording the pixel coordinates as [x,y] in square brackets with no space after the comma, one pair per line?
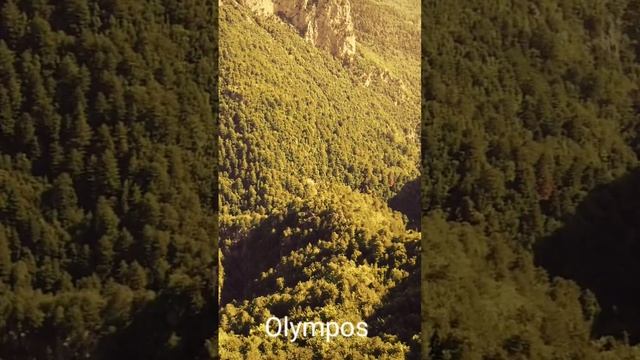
[107,179]
[530,183]
[598,247]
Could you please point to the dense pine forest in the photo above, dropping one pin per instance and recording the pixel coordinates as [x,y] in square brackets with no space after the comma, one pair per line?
[530,144]
[107,179]
[319,159]
[109,183]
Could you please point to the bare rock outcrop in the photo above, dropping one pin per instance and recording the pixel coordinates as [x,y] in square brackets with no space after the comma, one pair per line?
[327,24]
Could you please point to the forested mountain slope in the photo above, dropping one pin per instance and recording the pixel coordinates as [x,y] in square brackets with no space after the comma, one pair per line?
[313,148]
[388,34]
[291,113]
[107,183]
[529,107]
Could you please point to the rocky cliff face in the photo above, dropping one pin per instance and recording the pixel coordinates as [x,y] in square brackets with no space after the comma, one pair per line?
[326,24]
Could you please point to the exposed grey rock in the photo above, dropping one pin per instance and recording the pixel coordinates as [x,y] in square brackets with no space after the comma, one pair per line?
[327,24]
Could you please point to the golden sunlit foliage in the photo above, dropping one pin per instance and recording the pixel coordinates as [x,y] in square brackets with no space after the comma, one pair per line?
[312,151]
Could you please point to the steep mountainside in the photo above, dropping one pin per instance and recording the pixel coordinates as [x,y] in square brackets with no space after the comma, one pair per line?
[327,125]
[313,148]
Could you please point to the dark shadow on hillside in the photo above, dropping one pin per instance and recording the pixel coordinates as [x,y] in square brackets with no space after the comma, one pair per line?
[258,251]
[599,248]
[399,314]
[407,201]
[166,328]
